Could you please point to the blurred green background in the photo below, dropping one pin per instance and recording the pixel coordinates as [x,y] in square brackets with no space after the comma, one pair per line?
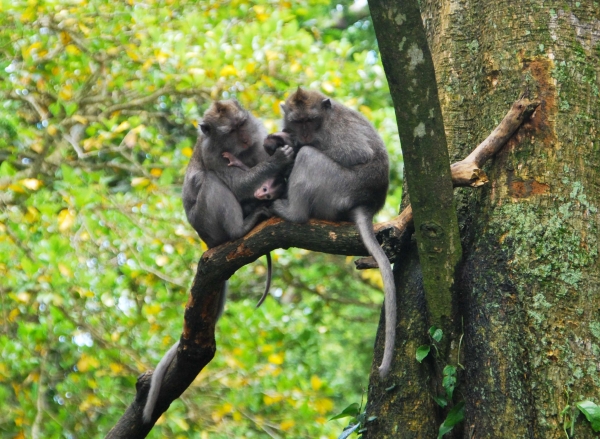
[100,103]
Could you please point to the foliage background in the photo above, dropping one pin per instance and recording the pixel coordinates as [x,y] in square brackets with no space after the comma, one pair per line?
[100,100]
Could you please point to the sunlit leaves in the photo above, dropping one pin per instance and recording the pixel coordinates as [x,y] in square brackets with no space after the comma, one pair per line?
[99,113]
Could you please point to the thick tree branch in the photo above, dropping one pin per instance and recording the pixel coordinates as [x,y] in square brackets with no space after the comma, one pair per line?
[197,344]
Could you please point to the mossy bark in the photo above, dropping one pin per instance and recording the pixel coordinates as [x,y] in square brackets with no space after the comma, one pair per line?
[411,76]
[530,286]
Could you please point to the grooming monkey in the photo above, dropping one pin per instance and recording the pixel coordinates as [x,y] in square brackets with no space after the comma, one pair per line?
[340,174]
[219,199]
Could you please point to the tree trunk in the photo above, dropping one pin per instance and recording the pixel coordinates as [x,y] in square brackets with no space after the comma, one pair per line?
[529,282]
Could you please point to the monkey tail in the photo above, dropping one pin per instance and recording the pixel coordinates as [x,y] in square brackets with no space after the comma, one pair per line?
[156,382]
[161,368]
[268,285]
[364,223]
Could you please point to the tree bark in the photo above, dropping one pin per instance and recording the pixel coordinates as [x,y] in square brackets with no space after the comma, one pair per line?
[409,67]
[529,284]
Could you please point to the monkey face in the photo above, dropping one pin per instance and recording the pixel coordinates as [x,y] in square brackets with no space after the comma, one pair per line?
[304,112]
[270,190]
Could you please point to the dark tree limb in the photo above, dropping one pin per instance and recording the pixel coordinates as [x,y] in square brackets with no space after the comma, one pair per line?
[197,343]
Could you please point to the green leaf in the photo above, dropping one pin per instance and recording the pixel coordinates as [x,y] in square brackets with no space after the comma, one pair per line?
[443,430]
[70,108]
[441,401]
[437,335]
[54,108]
[6,170]
[432,330]
[456,415]
[422,352]
[591,412]
[449,370]
[351,410]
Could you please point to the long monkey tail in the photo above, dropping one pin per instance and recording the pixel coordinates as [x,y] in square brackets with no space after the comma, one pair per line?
[268,285]
[364,224]
[156,382]
[163,365]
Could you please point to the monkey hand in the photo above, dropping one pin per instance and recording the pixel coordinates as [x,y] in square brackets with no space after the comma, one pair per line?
[285,154]
[264,211]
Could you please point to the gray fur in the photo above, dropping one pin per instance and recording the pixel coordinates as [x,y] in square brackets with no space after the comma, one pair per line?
[340,173]
[219,199]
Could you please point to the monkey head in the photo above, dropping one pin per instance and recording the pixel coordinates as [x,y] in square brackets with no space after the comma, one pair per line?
[270,190]
[230,126]
[304,112]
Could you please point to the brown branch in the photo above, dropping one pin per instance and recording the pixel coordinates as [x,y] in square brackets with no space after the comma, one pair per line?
[197,343]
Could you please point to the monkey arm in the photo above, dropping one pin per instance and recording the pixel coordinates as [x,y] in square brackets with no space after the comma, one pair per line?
[244,184]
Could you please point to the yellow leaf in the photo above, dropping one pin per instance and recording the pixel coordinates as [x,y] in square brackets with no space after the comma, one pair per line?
[84,29]
[66,220]
[122,127]
[65,271]
[286,425]
[66,93]
[327,87]
[37,147]
[65,38]
[116,368]
[86,362]
[228,71]
[250,67]
[52,130]
[132,54]
[271,55]
[323,405]
[140,181]
[77,118]
[272,399]
[113,51]
[366,111]
[187,151]
[32,48]
[237,417]
[161,260]
[373,277]
[315,382]
[153,309]
[31,183]
[309,72]
[276,359]
[72,49]
[155,172]
[23,297]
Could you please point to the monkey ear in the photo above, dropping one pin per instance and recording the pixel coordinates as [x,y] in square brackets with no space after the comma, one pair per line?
[283,108]
[205,128]
[326,103]
[300,95]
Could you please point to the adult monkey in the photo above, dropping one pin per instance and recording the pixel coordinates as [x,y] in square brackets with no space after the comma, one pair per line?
[340,174]
[219,199]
